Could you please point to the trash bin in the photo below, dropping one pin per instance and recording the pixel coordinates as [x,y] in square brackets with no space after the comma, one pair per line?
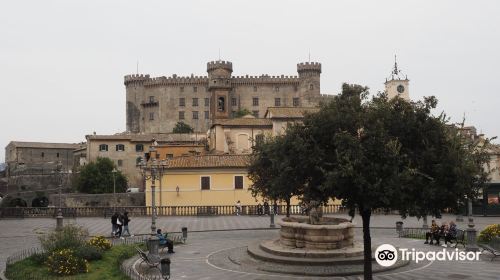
[399,226]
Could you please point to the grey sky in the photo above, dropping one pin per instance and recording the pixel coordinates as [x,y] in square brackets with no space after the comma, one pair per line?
[62,62]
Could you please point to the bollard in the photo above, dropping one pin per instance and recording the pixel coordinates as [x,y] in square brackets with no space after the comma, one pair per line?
[184,234]
[165,268]
[271,216]
[399,227]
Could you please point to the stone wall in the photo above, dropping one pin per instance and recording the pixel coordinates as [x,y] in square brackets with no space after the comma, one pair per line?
[99,200]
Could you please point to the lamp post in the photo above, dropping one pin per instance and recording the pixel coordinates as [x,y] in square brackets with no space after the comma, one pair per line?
[153,240]
[114,186]
[59,218]
[471,231]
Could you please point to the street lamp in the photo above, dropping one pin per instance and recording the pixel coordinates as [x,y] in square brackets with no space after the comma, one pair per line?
[471,231]
[59,218]
[153,241]
[114,185]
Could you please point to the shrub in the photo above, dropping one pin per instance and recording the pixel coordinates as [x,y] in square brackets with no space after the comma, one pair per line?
[100,242]
[90,253]
[40,258]
[489,232]
[70,237]
[65,262]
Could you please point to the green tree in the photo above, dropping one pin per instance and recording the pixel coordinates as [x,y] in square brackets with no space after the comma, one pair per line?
[181,127]
[97,177]
[241,113]
[373,154]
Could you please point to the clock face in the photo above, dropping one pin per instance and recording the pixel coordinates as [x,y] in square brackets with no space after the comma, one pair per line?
[401,88]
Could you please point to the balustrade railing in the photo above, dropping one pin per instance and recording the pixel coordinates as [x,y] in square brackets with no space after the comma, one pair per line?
[73,212]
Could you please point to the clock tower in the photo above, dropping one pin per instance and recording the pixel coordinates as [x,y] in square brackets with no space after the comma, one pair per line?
[397,84]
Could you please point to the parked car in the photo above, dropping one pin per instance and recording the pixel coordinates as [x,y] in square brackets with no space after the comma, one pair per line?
[133,190]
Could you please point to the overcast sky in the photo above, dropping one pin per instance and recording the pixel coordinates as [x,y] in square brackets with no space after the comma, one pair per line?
[62,62]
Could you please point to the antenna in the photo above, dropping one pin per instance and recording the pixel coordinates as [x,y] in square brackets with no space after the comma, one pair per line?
[309,55]
[137,67]
[219,54]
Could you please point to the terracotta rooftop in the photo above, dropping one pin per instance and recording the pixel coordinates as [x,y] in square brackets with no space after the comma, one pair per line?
[208,161]
[163,137]
[244,122]
[288,112]
[43,145]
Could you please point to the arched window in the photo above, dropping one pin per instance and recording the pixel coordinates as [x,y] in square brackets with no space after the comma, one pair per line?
[103,148]
[311,86]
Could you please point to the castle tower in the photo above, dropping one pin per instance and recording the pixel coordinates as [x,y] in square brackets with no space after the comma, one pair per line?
[309,82]
[219,85]
[134,85]
[396,84]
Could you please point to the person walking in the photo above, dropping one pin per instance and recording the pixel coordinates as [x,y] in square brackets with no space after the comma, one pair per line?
[114,224]
[119,223]
[126,220]
[238,208]
[266,208]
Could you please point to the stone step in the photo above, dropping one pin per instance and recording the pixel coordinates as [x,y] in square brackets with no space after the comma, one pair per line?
[275,248]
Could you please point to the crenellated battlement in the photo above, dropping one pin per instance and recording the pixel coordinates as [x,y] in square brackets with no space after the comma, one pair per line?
[212,65]
[264,79]
[135,78]
[177,80]
[309,66]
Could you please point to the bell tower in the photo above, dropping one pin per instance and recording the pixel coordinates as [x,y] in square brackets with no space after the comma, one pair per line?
[397,84]
[219,85]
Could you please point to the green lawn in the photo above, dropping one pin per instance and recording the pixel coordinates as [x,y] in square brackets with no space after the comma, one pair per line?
[106,268]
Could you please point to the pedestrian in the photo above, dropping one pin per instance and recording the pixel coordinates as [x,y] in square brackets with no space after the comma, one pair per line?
[259,209]
[126,220]
[275,208]
[119,223]
[266,207]
[238,208]
[114,224]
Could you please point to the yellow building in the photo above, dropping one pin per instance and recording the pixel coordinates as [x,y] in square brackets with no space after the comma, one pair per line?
[205,180]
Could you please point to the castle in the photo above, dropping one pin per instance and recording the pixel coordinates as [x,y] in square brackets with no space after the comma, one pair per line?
[155,105]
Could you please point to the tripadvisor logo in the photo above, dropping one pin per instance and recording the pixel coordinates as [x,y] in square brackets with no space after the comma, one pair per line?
[387,255]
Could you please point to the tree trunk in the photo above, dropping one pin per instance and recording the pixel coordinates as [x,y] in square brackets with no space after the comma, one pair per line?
[288,207]
[367,240]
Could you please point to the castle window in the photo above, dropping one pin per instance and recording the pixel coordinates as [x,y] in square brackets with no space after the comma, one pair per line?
[195,115]
[120,162]
[120,148]
[139,148]
[205,182]
[277,102]
[295,88]
[170,156]
[233,101]
[195,89]
[277,89]
[103,148]
[296,102]
[255,101]
[255,88]
[151,116]
[182,89]
[43,154]
[151,99]
[181,115]
[238,182]
[311,86]
[255,114]
[182,102]
[57,154]
[207,115]
[195,102]
[207,101]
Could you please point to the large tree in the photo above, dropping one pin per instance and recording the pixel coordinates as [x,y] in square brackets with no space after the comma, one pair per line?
[380,154]
[97,177]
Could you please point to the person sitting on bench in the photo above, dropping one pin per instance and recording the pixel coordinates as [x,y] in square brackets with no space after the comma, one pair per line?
[432,234]
[443,229]
[450,234]
[165,242]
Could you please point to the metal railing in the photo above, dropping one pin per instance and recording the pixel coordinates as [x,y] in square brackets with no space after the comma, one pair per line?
[31,212]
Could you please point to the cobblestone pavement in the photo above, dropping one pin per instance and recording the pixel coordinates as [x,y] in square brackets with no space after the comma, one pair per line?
[16,235]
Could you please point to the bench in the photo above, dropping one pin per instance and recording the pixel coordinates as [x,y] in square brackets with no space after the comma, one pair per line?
[460,238]
[493,247]
[206,211]
[146,259]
